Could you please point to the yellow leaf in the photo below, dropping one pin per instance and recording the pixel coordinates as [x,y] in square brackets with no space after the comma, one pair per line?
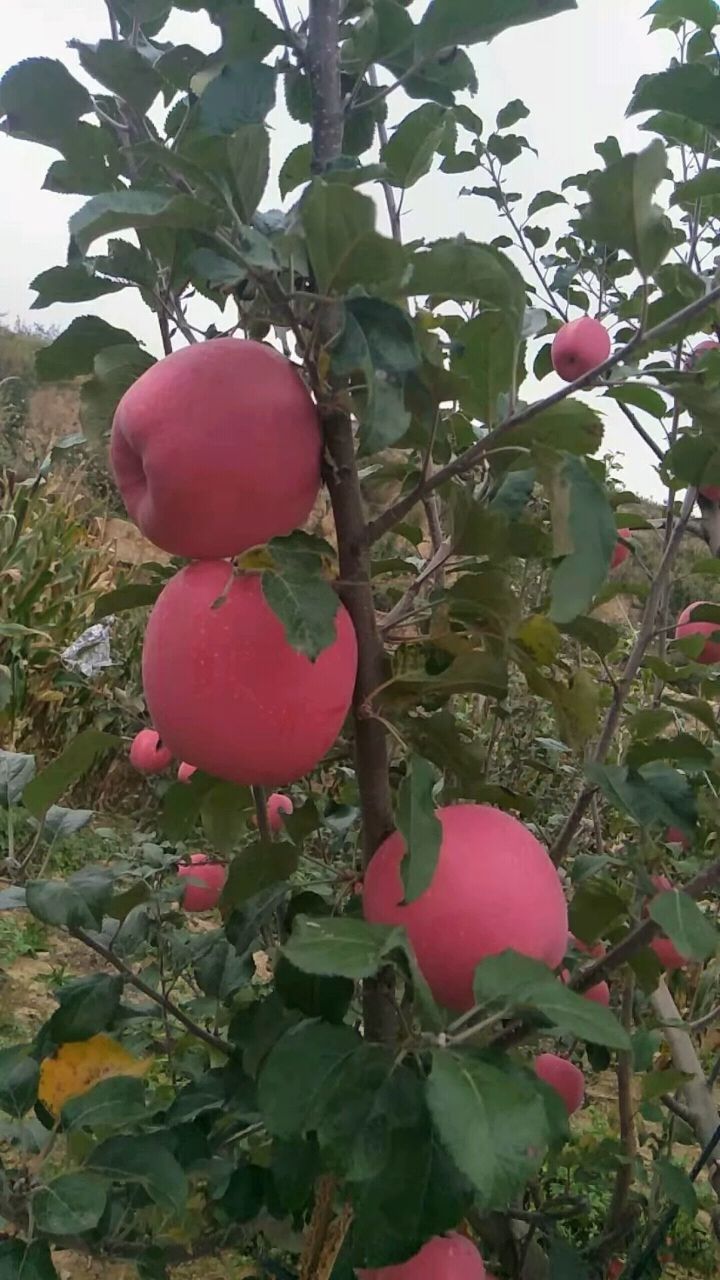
[77,1066]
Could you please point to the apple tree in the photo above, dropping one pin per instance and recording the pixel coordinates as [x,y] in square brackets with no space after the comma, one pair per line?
[298,1077]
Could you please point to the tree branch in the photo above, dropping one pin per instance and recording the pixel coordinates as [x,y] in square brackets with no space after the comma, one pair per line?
[169,1006]
[632,666]
[471,457]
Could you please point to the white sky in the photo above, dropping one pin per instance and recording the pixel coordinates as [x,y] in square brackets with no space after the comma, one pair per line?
[575,72]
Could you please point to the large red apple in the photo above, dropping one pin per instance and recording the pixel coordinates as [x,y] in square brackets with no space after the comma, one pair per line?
[494,889]
[686,627]
[277,805]
[206,880]
[227,690]
[580,346]
[451,1257]
[217,448]
[621,552]
[148,754]
[564,1077]
[665,950]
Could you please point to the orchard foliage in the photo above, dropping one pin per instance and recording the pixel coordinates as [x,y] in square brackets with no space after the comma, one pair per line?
[284,1080]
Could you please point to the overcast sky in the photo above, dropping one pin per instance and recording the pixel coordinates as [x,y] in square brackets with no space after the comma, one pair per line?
[575,72]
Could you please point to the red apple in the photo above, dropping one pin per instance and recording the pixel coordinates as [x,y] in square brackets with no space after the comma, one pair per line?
[674,835]
[595,949]
[621,552]
[564,1077]
[451,1257]
[580,346]
[217,448]
[494,889]
[709,345]
[600,993]
[148,754]
[185,772]
[206,880]
[665,950]
[686,627]
[228,691]
[277,805]
[711,492]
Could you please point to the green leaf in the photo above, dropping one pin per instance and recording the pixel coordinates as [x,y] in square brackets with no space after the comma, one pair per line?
[511,114]
[257,867]
[249,152]
[242,93]
[115,1103]
[145,1161]
[19,1079]
[298,1073]
[409,153]
[136,595]
[223,809]
[571,426]
[486,354]
[513,981]
[676,1185]
[681,748]
[73,904]
[685,924]
[300,595]
[596,905]
[116,368]
[87,1007]
[295,170]
[689,91]
[16,771]
[73,352]
[122,69]
[640,397]
[69,1205]
[368,1098]
[41,101]
[466,271]
[20,1261]
[140,209]
[70,284]
[492,1121]
[343,947]
[476,672]
[704,13]
[584,529]
[50,786]
[544,200]
[449,22]
[315,995]
[621,213]
[655,795]
[420,827]
[336,220]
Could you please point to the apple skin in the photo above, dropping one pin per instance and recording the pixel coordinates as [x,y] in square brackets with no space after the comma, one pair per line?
[494,888]
[711,492]
[226,689]
[580,346]
[709,345]
[665,950]
[186,771]
[564,1077]
[621,552]
[204,896]
[277,805]
[148,754]
[452,1257]
[674,835]
[686,627]
[217,448]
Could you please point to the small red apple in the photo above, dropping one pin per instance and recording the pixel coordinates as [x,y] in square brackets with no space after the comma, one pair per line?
[564,1077]
[228,691]
[277,805]
[686,627]
[148,754]
[494,889]
[621,552]
[580,346]
[217,448]
[452,1257]
[674,835]
[711,492]
[206,882]
[599,994]
[185,772]
[709,345]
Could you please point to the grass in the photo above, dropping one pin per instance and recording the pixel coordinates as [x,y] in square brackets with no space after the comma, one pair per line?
[20,936]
